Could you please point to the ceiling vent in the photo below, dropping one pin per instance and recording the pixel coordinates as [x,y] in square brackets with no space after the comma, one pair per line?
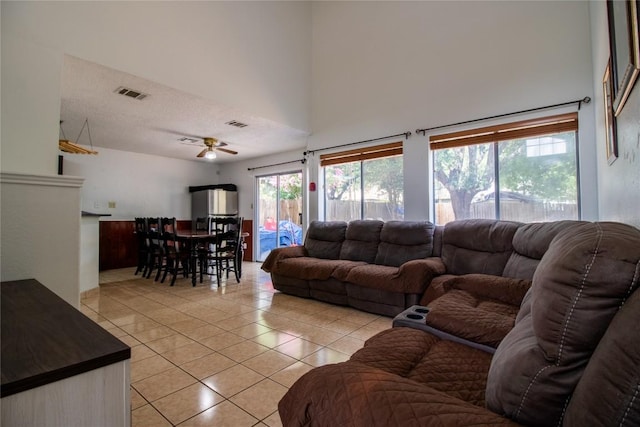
[135,94]
[237,124]
[190,141]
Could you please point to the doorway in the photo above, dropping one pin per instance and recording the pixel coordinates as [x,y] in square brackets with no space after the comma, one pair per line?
[279,213]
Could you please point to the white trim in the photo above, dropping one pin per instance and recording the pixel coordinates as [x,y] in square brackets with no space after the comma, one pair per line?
[42,180]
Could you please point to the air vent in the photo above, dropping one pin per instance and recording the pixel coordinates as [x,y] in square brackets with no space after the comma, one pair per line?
[190,141]
[237,124]
[135,94]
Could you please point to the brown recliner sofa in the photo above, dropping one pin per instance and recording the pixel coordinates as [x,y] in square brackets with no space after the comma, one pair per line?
[572,358]
[380,267]
[489,268]
[483,267]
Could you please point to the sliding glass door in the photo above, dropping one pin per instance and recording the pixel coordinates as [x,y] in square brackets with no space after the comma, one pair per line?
[279,213]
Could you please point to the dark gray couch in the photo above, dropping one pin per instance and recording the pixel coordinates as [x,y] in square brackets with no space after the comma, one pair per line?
[380,267]
[485,267]
[572,358]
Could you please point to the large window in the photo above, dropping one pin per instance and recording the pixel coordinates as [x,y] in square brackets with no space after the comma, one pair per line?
[525,171]
[364,183]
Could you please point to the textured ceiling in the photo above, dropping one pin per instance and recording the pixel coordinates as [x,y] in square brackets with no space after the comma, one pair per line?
[155,124]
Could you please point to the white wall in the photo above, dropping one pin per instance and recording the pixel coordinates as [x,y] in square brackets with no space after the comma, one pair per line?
[619,183]
[30,113]
[382,68]
[40,232]
[254,56]
[139,184]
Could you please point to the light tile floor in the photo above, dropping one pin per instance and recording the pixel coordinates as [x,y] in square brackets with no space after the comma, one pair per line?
[220,355]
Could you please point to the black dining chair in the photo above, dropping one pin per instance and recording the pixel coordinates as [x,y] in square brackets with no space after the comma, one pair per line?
[140,231]
[175,257]
[224,257]
[154,238]
[202,225]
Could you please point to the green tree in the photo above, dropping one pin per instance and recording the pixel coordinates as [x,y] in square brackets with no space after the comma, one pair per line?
[549,177]
[548,173]
[268,187]
[340,178]
[291,186]
[464,172]
[386,174]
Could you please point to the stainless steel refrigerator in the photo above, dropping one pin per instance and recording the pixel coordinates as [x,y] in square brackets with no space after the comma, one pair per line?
[213,200]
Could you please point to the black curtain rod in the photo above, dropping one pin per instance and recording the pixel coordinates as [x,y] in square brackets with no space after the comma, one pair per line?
[405,134]
[278,164]
[586,100]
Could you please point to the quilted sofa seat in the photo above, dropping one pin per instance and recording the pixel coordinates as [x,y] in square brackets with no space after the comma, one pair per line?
[380,267]
[487,276]
[402,377]
[572,359]
[580,285]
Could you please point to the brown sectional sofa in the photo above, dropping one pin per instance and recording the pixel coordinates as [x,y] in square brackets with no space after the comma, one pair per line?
[489,268]
[572,358]
[381,267]
[386,267]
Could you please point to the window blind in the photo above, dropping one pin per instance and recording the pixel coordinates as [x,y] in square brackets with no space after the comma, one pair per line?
[505,132]
[359,154]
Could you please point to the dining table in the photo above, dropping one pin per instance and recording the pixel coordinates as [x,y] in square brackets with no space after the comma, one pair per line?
[192,242]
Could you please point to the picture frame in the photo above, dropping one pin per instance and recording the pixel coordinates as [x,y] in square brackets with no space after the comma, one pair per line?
[609,116]
[624,44]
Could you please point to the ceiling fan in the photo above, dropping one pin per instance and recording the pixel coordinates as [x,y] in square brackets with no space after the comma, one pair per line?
[213,145]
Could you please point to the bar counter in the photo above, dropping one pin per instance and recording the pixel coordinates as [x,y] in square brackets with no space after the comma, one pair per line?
[46,342]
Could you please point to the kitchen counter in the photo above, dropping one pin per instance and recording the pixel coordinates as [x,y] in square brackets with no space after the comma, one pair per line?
[53,357]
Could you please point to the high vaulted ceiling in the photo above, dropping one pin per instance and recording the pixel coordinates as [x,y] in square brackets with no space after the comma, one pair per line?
[157,123]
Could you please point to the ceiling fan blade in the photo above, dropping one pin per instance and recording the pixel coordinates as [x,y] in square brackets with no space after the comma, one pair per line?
[226,150]
[220,144]
[202,153]
[177,133]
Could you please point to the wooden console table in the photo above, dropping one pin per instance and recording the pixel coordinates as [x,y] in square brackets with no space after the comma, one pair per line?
[59,367]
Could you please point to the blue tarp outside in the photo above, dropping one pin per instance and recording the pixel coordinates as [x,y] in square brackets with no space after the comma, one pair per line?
[290,235]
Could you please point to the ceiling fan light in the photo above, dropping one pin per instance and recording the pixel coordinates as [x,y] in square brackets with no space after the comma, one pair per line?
[210,155]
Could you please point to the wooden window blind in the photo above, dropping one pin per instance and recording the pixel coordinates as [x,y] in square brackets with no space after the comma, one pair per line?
[506,132]
[359,154]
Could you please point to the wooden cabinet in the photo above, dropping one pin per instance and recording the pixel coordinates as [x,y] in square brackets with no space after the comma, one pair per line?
[58,366]
[118,245]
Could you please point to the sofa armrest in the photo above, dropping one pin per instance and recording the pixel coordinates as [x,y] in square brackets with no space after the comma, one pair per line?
[282,253]
[504,289]
[428,268]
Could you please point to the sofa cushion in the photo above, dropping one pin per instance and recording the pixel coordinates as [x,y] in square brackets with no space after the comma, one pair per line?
[580,284]
[505,290]
[477,307]
[361,240]
[308,268]
[530,242]
[411,277]
[478,319]
[614,370]
[477,245]
[402,241]
[455,369]
[324,239]
[429,382]
[278,254]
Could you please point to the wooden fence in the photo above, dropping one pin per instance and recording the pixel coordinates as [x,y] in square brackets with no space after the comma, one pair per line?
[290,210]
[513,210]
[345,210]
